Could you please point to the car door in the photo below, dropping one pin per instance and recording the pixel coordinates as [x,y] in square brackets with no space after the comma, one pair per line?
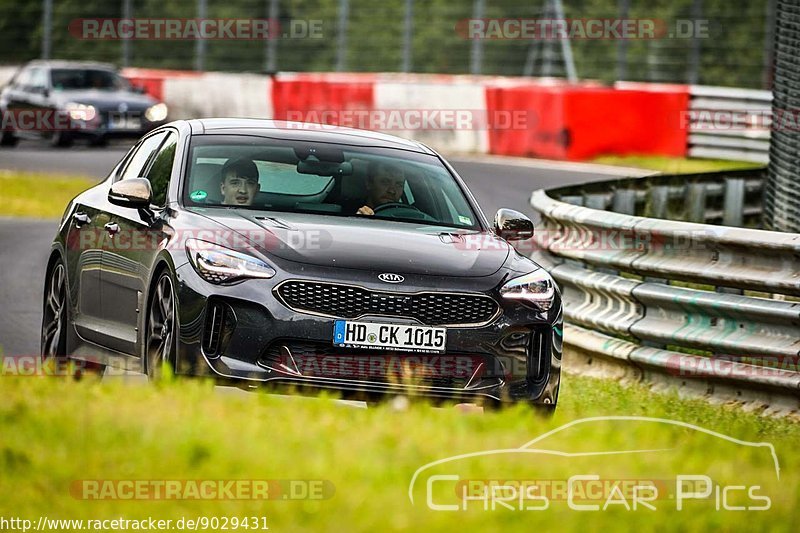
[85,242]
[16,97]
[133,237]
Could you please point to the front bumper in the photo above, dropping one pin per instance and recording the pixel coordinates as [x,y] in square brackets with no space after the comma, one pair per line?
[243,333]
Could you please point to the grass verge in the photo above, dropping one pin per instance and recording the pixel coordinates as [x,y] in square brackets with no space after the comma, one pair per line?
[675,165]
[29,194]
[56,434]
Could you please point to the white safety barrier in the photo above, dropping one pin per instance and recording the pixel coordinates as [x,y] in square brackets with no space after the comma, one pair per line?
[219,94]
[461,132]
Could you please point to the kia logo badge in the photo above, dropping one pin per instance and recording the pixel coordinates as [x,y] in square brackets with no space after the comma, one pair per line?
[391,278]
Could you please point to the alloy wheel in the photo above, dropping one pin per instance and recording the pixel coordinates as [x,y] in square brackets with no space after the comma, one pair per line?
[54,315]
[161,328]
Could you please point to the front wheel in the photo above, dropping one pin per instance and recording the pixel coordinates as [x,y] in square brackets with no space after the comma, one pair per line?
[7,138]
[161,331]
[54,331]
[61,139]
[54,315]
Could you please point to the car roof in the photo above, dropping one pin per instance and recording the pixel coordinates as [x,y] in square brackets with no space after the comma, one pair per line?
[58,63]
[304,131]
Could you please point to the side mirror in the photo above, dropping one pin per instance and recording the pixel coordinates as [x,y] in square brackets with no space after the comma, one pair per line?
[512,225]
[133,192]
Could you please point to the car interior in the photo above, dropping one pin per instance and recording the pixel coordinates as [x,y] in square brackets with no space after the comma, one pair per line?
[317,183]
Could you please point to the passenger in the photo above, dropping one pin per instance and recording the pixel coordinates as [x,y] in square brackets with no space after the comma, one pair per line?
[239,184]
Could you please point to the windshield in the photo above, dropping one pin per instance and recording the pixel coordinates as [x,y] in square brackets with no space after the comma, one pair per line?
[327,179]
[69,79]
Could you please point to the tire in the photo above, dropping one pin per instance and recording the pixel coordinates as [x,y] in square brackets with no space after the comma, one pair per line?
[54,314]
[161,330]
[55,323]
[544,410]
[7,138]
[62,139]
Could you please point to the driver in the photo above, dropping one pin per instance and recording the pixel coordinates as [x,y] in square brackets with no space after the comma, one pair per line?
[385,183]
[239,184]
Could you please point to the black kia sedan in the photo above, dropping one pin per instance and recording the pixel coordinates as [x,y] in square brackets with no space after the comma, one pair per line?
[269,253]
[66,100]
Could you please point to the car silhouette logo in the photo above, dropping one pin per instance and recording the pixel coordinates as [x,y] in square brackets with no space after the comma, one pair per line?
[122,107]
[391,278]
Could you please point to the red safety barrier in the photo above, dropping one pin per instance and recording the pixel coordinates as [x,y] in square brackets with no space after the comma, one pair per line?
[152,80]
[576,122]
[319,98]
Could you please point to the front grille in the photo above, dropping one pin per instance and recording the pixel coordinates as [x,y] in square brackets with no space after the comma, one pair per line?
[345,301]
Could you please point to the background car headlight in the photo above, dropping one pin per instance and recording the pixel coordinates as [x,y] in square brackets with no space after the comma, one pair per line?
[83,112]
[156,113]
[536,288]
[217,264]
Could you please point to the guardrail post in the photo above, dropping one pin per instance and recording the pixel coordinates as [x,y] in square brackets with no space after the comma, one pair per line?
[696,200]
[595,201]
[734,202]
[659,201]
[624,202]
[572,200]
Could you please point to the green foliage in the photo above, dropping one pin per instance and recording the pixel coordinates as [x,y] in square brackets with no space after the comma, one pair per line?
[28,194]
[732,53]
[57,432]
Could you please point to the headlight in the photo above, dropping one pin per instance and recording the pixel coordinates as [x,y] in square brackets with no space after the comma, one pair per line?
[83,112]
[217,264]
[536,288]
[156,113]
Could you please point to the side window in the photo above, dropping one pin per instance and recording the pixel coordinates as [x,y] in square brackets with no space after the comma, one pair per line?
[38,79]
[23,79]
[161,169]
[138,161]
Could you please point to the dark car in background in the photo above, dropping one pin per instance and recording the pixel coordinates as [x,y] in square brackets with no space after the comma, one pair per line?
[278,274]
[64,100]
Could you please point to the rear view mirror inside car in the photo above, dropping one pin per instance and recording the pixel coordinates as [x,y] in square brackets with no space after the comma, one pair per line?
[324,168]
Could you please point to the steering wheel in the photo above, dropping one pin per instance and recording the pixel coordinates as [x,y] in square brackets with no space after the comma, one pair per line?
[417,212]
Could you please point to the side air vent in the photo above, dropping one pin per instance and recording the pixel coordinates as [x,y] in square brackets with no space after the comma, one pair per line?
[219,325]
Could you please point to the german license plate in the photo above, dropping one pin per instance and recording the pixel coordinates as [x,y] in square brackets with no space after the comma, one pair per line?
[423,339]
[124,123]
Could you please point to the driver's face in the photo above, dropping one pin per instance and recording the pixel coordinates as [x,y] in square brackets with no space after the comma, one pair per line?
[386,186]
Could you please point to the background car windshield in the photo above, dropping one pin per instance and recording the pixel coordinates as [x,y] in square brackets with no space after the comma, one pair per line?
[70,79]
[326,179]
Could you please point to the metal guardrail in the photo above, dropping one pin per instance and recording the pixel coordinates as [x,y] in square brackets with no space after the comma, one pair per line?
[729,123]
[782,195]
[691,304]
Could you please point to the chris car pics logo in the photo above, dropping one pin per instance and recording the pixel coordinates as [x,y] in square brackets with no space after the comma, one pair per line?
[591,480]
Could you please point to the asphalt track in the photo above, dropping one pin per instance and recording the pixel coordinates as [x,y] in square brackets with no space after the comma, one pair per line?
[24,243]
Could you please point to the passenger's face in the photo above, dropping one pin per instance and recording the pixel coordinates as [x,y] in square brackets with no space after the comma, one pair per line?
[386,186]
[238,190]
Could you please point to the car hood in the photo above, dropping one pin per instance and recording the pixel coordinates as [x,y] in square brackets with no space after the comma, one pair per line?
[105,100]
[359,243]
